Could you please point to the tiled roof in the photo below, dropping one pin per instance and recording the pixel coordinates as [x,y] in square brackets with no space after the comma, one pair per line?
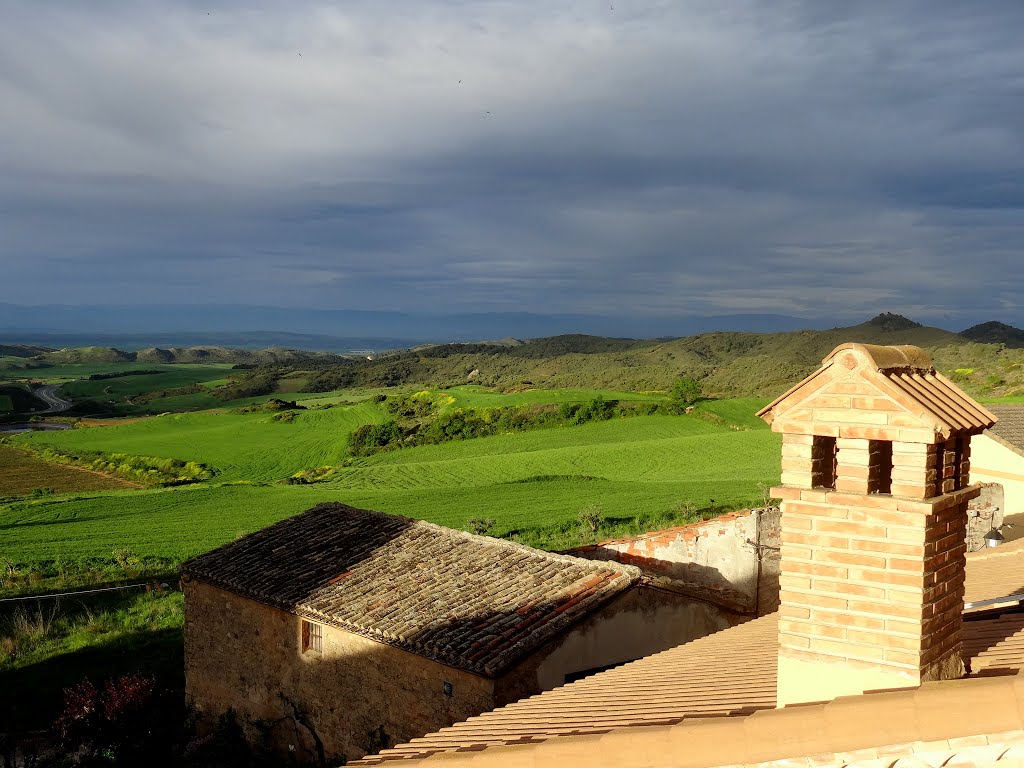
[905,374]
[471,602]
[995,573]
[1009,430]
[973,723]
[732,672]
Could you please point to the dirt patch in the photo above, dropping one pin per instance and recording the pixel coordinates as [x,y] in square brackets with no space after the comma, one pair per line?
[112,422]
[21,473]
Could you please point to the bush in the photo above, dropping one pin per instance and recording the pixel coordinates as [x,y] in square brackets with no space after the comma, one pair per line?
[684,393]
[591,518]
[481,526]
[125,722]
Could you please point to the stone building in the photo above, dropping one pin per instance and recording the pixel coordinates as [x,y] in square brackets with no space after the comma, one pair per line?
[341,631]
[873,659]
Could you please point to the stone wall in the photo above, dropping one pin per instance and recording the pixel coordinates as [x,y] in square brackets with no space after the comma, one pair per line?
[983,514]
[731,561]
[355,697]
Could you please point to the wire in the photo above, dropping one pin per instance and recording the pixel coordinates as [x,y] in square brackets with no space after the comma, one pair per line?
[73,594]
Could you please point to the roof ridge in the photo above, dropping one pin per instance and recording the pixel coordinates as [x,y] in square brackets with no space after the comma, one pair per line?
[558,557]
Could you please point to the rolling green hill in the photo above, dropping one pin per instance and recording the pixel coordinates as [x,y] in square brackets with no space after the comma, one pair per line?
[252,446]
[533,483]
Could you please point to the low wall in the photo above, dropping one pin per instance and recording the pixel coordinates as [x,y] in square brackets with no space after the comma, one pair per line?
[731,561]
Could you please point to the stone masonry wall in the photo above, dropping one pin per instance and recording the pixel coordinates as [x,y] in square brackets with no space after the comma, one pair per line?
[356,697]
[983,514]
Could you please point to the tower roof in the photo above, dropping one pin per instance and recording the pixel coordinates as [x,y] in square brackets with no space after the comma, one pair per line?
[877,392]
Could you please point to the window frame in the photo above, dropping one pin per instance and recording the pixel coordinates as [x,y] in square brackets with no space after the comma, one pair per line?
[312,637]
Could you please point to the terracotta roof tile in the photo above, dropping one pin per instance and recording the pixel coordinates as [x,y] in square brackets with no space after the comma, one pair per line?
[906,374]
[995,573]
[471,602]
[732,672]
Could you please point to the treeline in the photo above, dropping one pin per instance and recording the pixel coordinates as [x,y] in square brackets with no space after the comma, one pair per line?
[120,374]
[419,421]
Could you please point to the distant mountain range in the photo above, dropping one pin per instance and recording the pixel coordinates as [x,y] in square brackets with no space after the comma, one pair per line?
[987,359]
[136,327]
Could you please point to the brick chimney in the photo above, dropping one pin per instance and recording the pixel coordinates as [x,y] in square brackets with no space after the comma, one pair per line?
[875,466]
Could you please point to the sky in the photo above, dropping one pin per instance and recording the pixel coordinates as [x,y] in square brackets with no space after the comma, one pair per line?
[624,157]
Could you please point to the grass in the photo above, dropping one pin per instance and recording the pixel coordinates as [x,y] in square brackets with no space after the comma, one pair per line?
[22,474]
[48,645]
[250,447]
[528,482]
[6,404]
[641,473]
[127,387]
[480,397]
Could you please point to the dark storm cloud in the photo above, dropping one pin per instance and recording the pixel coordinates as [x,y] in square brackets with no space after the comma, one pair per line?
[809,158]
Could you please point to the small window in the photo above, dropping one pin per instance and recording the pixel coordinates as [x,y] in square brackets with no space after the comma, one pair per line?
[958,462]
[312,637]
[823,462]
[879,466]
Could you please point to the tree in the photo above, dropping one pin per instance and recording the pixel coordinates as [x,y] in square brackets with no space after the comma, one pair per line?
[685,392]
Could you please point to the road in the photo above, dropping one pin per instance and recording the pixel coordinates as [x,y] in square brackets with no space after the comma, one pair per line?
[48,394]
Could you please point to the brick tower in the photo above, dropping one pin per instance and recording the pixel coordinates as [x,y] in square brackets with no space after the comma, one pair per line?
[875,466]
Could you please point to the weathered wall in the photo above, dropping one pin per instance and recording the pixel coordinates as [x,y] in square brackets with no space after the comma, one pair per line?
[983,514]
[643,621]
[731,560]
[356,697]
[993,462]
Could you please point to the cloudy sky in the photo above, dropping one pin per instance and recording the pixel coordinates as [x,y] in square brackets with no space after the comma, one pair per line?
[633,157]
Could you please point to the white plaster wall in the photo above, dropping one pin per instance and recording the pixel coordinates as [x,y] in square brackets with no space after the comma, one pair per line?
[993,462]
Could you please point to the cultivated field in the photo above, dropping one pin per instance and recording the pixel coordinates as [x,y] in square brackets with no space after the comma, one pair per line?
[640,470]
[21,474]
[251,447]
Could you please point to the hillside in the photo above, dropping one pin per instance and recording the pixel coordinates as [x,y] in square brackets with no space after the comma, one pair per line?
[995,333]
[727,363]
[192,355]
[987,360]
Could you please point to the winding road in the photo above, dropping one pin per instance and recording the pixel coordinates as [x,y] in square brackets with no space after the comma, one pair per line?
[48,395]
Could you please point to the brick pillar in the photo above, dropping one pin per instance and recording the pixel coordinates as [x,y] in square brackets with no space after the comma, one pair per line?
[872,584]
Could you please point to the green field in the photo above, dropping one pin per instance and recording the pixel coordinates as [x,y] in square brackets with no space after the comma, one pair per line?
[251,446]
[480,397]
[169,377]
[638,466]
[6,404]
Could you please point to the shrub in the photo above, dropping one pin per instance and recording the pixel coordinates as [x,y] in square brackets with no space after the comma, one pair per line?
[685,392]
[126,560]
[481,526]
[126,721]
[590,518]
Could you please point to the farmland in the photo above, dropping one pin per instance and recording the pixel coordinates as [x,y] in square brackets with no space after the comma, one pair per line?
[240,447]
[641,472]
[23,474]
[528,482]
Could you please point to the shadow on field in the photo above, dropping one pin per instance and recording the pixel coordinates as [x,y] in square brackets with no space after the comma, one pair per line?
[33,695]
